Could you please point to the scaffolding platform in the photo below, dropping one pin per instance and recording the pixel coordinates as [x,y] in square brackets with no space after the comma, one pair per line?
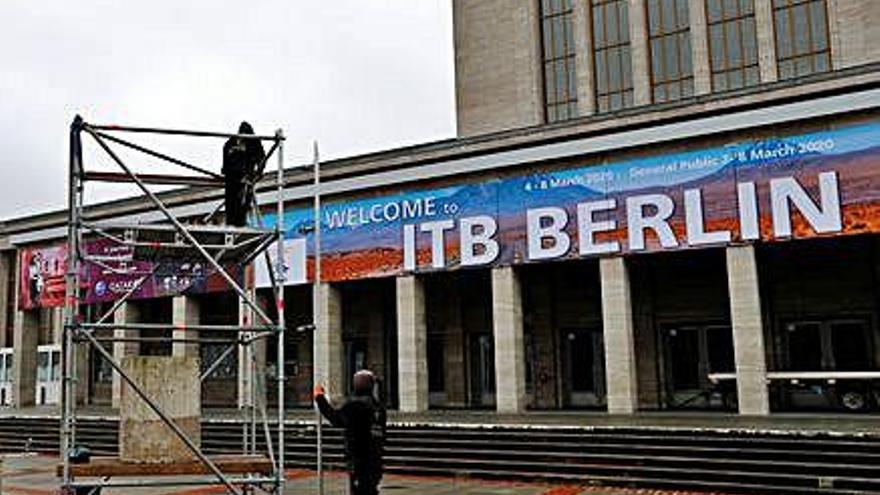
[111,467]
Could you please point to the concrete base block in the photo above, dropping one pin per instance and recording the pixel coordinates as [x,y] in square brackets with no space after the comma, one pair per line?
[173,383]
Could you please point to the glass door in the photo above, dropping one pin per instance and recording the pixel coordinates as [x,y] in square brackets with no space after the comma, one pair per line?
[6,376]
[48,386]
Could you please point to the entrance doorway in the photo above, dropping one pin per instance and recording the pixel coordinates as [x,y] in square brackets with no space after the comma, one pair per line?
[583,368]
[48,388]
[691,353]
[829,345]
[6,376]
[482,369]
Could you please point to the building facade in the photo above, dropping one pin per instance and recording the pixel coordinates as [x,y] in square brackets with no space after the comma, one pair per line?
[651,205]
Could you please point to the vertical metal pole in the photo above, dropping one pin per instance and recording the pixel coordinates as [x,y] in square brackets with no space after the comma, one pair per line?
[316,303]
[246,377]
[252,393]
[281,277]
[71,296]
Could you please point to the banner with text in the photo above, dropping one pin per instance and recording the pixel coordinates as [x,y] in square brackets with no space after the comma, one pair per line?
[819,184]
[42,271]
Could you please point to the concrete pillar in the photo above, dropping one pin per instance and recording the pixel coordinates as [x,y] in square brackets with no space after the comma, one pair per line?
[583,39]
[251,359]
[700,47]
[128,312]
[412,345]
[184,312]
[56,325]
[24,357]
[328,340]
[82,372]
[507,323]
[617,320]
[748,330]
[766,40]
[640,52]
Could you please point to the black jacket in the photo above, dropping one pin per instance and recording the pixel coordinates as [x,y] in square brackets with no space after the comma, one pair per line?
[363,419]
[242,157]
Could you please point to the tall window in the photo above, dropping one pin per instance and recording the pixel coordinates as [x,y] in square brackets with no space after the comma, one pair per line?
[802,45]
[669,37]
[733,43]
[560,82]
[611,54]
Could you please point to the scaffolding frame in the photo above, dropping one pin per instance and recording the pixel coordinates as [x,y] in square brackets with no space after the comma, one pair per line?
[242,244]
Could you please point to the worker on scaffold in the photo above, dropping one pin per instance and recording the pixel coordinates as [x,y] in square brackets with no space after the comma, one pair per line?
[362,416]
[242,160]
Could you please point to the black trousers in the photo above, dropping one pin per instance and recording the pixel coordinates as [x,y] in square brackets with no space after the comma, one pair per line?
[235,201]
[363,483]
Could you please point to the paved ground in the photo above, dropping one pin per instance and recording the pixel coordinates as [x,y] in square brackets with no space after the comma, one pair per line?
[34,475]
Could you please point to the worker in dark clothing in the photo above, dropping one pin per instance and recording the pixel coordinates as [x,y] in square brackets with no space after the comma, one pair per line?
[363,417]
[242,157]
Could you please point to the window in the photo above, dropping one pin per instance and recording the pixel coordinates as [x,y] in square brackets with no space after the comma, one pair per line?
[611,54]
[733,43]
[802,45]
[560,85]
[669,38]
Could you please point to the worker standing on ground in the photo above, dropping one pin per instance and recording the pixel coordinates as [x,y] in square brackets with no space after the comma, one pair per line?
[362,415]
[241,159]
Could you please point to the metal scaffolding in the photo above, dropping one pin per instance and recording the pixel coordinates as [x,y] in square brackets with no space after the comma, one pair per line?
[218,246]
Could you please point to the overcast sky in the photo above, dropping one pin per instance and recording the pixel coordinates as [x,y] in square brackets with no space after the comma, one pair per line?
[356,75]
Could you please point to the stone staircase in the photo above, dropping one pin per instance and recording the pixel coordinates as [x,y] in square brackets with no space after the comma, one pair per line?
[725,460]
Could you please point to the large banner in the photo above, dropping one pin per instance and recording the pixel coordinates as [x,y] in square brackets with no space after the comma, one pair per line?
[819,184]
[42,272]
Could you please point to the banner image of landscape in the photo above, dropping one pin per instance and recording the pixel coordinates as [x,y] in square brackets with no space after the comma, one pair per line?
[42,272]
[819,184]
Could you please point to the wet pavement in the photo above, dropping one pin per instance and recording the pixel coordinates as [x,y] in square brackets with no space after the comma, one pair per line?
[35,475]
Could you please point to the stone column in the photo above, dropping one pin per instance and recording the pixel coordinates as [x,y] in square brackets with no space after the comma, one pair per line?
[617,320]
[128,312]
[640,52]
[412,345]
[766,40]
[507,323]
[700,47]
[748,330]
[184,313]
[583,39]
[56,325]
[24,357]
[328,340]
